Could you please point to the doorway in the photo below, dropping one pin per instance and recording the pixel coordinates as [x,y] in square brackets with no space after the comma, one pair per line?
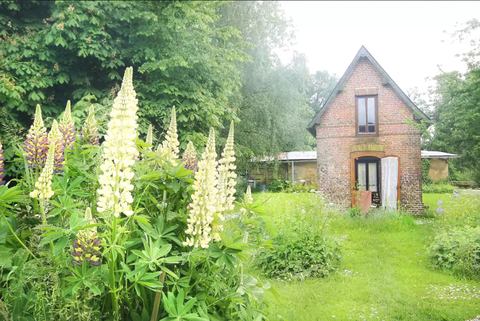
[367,178]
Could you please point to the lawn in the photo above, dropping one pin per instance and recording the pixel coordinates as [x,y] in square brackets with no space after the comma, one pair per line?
[385,274]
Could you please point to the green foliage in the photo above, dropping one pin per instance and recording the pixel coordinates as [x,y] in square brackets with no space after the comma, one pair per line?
[300,255]
[278,186]
[275,102]
[138,257]
[425,169]
[299,188]
[54,51]
[457,250]
[302,248]
[438,187]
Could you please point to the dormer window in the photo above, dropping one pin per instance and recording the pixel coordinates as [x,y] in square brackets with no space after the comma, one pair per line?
[366,115]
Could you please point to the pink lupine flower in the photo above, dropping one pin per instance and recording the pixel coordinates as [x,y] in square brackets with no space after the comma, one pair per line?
[189,158]
[87,244]
[36,144]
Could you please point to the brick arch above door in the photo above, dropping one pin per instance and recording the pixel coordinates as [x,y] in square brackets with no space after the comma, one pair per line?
[353,157]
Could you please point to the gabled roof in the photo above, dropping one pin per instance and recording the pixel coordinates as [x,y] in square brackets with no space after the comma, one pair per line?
[386,80]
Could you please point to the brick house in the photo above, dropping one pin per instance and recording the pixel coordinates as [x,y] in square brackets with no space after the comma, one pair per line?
[368,150]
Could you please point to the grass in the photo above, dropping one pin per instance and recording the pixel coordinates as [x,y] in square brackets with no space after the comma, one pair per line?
[385,273]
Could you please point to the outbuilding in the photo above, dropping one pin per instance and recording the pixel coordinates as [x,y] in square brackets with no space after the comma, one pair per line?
[368,144]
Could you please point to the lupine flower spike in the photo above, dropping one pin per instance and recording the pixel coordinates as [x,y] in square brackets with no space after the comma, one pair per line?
[168,151]
[2,166]
[55,136]
[43,187]
[227,177]
[248,199]
[89,129]
[119,152]
[226,181]
[67,128]
[87,244]
[189,158]
[36,144]
[203,208]
[149,140]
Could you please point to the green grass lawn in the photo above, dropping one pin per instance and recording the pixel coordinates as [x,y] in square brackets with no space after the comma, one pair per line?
[385,273]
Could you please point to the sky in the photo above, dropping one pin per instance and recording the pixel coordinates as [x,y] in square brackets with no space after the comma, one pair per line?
[407,38]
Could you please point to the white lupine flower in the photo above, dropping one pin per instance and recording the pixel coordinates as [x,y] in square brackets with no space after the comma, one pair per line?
[248,199]
[149,139]
[227,176]
[203,209]
[119,152]
[43,187]
[168,150]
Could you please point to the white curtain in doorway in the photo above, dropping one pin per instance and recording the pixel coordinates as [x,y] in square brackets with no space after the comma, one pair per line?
[389,182]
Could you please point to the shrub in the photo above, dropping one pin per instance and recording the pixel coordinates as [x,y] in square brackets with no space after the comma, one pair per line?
[438,188]
[279,186]
[300,256]
[300,188]
[457,250]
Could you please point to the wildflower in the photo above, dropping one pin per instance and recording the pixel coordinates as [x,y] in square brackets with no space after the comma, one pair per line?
[149,140]
[119,152]
[455,193]
[87,244]
[43,187]
[36,144]
[440,203]
[67,128]
[2,164]
[90,129]
[55,136]
[249,200]
[168,151]
[439,210]
[189,158]
[203,208]
[226,176]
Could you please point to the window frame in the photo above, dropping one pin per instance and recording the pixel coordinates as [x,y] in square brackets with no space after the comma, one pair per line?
[357,133]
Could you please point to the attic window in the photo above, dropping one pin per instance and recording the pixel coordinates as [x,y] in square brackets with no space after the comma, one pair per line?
[366,115]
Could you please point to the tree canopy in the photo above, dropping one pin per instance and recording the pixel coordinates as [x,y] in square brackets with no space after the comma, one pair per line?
[214,61]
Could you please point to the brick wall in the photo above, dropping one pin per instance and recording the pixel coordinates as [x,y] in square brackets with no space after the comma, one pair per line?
[336,136]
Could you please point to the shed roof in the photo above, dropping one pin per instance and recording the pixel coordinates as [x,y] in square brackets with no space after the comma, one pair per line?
[290,157]
[386,80]
[435,154]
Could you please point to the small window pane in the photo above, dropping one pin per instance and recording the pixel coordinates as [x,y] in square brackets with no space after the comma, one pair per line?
[362,176]
[371,110]
[362,116]
[372,177]
[362,129]
[371,128]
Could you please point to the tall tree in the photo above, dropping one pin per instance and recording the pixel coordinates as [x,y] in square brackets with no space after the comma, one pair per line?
[456,98]
[53,51]
[273,103]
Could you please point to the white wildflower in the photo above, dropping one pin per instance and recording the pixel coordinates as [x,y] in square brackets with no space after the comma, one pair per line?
[43,187]
[227,176]
[119,152]
[203,209]
[248,199]
[168,150]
